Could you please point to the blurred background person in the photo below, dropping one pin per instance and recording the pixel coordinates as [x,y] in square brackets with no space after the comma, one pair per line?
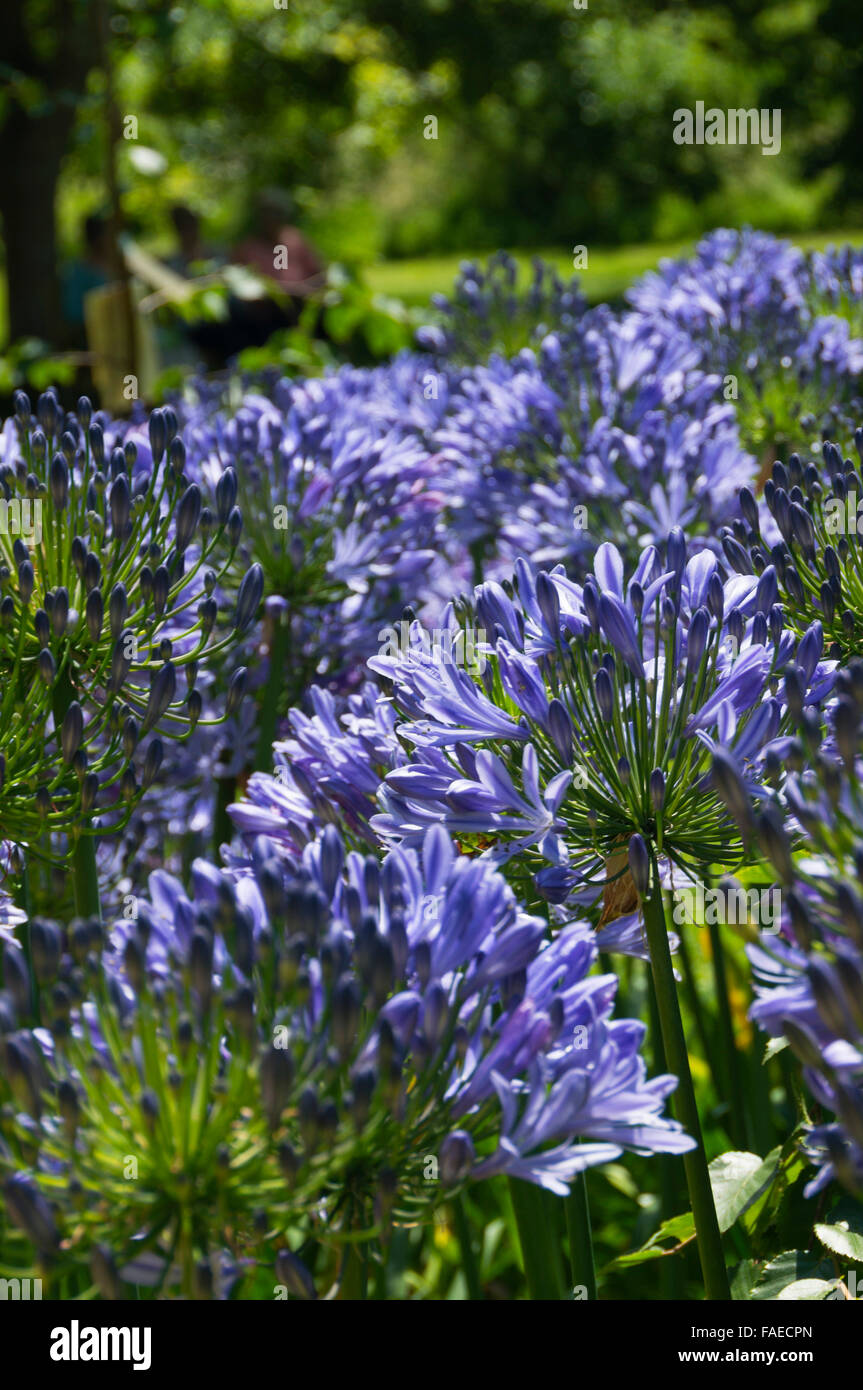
[193,254]
[277,249]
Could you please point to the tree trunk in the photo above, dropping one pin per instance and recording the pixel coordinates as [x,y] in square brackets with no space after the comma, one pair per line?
[31,153]
[53,44]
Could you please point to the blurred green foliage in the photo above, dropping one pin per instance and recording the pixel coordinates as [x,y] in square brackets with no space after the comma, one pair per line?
[553,123]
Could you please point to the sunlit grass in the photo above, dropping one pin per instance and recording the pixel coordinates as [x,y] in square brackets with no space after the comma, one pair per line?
[609,273]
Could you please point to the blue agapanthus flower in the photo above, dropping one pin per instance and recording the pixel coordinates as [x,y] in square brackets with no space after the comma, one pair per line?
[754,309]
[597,713]
[303,1047]
[612,425]
[512,1033]
[809,980]
[807,530]
[489,311]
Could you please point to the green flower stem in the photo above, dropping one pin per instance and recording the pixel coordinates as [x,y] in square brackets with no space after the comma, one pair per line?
[539,1250]
[469,1263]
[708,1235]
[355,1271]
[670,1270]
[85,878]
[694,999]
[187,1255]
[726,1038]
[279,662]
[85,875]
[223,826]
[581,1260]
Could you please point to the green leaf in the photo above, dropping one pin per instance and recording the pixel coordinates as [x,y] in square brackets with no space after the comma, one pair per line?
[843,1230]
[737,1180]
[621,1179]
[807,1290]
[342,319]
[774,1046]
[743,1278]
[767,1210]
[676,1230]
[793,1266]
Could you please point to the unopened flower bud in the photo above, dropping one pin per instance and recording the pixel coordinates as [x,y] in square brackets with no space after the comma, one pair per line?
[158,433]
[59,481]
[30,1212]
[775,844]
[226,495]
[604,694]
[177,456]
[296,1278]
[639,864]
[188,515]
[731,790]
[162,692]
[456,1158]
[657,789]
[152,762]
[548,600]
[26,581]
[71,732]
[275,1075]
[236,691]
[249,597]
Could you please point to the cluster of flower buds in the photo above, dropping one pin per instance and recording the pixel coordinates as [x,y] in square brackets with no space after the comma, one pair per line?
[809,981]
[110,568]
[817,558]
[329,1048]
[488,312]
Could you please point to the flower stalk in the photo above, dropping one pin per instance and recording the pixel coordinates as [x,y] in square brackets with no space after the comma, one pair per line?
[708,1237]
[540,1252]
[578,1226]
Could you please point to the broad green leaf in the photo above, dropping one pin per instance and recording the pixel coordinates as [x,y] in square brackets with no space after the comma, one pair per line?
[766,1210]
[743,1279]
[793,1266]
[843,1230]
[737,1179]
[807,1290]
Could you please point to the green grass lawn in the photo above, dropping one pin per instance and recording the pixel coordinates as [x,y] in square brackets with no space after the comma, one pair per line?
[609,273]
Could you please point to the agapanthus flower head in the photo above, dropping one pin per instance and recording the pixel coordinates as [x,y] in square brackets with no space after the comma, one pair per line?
[341,501]
[329,1047]
[809,980]
[609,428]
[109,564]
[489,311]
[741,290]
[328,768]
[812,545]
[752,305]
[597,714]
